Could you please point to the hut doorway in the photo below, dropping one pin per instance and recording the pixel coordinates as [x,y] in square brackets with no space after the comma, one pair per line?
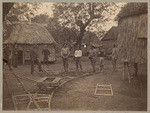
[20,57]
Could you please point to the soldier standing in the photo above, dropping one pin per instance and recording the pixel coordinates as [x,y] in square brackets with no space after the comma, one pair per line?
[93,56]
[34,59]
[65,55]
[15,56]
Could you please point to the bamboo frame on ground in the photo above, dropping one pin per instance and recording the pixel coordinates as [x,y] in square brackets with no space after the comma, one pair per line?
[103,89]
[32,97]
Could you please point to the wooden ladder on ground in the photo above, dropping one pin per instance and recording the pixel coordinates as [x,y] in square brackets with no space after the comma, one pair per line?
[25,100]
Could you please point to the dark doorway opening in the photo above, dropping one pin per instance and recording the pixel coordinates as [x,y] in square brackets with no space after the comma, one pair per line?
[20,57]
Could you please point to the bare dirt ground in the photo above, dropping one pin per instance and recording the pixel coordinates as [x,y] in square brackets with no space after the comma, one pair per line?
[78,93]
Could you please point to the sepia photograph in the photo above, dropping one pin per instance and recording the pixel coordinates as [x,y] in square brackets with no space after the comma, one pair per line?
[74,56]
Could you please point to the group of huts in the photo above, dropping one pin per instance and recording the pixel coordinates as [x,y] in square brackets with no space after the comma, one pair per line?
[130,36]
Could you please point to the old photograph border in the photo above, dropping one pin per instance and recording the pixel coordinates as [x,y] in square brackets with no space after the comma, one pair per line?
[148,46]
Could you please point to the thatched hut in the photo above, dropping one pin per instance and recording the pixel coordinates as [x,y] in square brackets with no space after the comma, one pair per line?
[109,39]
[132,38]
[25,35]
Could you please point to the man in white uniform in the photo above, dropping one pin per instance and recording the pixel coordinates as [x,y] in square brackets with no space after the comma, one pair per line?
[78,55]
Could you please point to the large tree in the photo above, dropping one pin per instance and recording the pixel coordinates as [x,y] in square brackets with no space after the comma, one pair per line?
[83,16]
[61,33]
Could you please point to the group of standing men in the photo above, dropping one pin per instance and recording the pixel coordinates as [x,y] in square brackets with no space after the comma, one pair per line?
[93,54]
[11,57]
[65,52]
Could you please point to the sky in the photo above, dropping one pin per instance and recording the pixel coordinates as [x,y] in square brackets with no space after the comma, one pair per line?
[46,8]
[112,22]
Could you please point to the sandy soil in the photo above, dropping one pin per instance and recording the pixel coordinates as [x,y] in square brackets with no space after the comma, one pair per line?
[78,94]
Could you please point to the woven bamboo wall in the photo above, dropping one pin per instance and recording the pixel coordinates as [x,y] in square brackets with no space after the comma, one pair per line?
[131,45]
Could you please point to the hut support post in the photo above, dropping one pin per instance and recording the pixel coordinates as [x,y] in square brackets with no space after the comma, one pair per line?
[129,77]
[136,68]
[23,55]
[124,71]
[126,65]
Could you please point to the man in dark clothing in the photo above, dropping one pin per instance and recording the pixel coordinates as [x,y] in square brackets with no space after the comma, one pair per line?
[46,53]
[93,57]
[7,57]
[34,59]
[15,56]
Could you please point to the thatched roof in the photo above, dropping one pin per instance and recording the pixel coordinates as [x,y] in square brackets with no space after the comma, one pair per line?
[91,38]
[131,9]
[29,33]
[111,34]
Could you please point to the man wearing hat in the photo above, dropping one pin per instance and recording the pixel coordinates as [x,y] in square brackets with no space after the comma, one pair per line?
[34,59]
[93,56]
[65,52]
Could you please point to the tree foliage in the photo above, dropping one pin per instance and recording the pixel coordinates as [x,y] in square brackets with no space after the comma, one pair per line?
[60,33]
[83,16]
[23,11]
[18,12]
[42,18]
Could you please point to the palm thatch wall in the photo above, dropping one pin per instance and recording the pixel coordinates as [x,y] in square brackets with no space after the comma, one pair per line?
[132,28]
[25,35]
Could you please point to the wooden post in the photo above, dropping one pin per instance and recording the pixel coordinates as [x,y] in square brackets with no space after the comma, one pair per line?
[136,69]
[124,70]
[23,55]
[129,77]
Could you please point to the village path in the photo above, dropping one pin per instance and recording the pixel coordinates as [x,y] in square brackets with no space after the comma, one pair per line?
[78,94]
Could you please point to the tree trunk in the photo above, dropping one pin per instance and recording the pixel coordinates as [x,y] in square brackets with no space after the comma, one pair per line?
[79,39]
[6,9]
